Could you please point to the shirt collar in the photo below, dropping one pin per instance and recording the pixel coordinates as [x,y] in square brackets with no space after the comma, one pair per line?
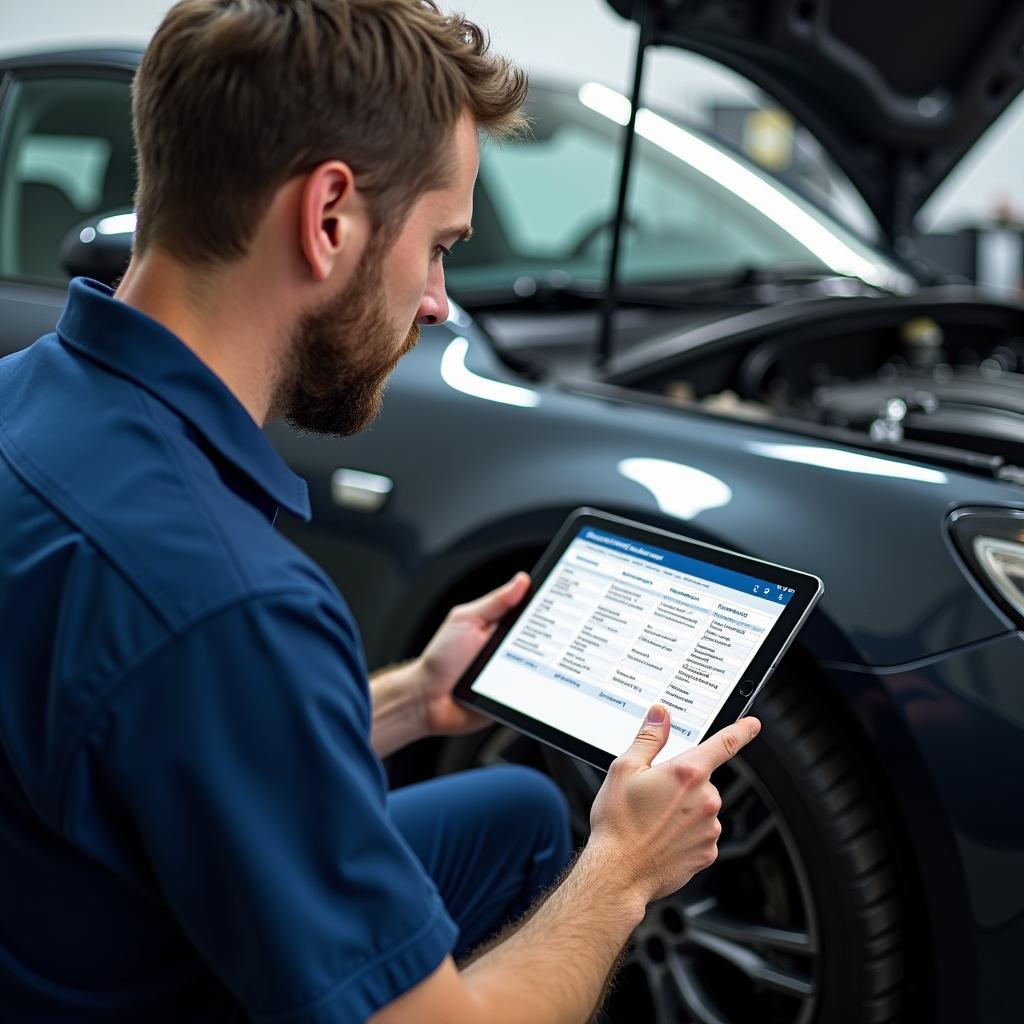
[135,346]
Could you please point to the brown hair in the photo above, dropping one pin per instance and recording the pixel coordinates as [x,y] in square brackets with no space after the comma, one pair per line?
[235,97]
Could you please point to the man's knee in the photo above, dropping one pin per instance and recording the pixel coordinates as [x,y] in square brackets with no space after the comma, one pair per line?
[528,795]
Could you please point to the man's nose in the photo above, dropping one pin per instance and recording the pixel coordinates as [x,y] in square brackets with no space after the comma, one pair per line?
[434,304]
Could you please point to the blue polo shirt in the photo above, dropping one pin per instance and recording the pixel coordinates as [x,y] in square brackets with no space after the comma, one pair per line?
[192,819]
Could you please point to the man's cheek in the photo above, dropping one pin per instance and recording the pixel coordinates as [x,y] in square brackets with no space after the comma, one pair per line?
[404,294]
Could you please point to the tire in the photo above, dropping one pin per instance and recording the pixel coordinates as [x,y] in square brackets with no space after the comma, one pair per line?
[802,918]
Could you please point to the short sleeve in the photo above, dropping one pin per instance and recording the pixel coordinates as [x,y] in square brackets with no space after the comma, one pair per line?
[242,754]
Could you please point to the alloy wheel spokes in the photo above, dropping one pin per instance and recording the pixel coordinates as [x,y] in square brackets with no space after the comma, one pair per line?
[706,951]
[694,997]
[707,918]
[746,843]
[755,966]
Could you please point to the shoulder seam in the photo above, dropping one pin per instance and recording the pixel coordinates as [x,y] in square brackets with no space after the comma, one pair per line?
[33,477]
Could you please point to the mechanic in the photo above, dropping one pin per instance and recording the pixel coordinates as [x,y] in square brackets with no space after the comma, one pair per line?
[195,819]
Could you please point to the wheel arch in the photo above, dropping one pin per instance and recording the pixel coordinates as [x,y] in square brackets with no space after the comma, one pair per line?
[478,563]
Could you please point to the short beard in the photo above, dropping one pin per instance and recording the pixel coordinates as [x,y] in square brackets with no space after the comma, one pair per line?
[341,357]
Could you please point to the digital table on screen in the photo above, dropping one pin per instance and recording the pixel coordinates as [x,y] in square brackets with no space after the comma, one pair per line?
[619,625]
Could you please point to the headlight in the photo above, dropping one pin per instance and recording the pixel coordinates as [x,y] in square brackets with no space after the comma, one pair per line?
[991,542]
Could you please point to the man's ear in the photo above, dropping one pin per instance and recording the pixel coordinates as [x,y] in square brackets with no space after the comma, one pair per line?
[329,213]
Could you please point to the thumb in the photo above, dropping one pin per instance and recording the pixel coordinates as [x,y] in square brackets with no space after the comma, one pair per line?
[652,736]
[491,607]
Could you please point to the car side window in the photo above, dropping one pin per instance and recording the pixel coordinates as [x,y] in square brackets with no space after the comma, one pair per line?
[65,154]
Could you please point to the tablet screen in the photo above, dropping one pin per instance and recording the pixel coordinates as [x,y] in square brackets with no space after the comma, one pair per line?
[618,625]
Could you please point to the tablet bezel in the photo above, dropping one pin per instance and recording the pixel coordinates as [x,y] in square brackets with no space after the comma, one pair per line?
[807,589]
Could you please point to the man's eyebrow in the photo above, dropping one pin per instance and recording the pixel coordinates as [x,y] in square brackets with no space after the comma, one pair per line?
[463,233]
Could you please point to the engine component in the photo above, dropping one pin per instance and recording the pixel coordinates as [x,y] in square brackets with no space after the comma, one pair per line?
[975,409]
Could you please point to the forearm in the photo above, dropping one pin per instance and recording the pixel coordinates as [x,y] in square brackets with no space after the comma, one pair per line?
[553,968]
[653,827]
[398,712]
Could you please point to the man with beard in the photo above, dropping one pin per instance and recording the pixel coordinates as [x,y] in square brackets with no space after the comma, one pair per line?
[194,822]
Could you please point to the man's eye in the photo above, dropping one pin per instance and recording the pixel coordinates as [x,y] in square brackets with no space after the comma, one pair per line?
[442,253]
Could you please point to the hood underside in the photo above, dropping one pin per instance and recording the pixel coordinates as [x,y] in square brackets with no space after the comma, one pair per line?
[896,91]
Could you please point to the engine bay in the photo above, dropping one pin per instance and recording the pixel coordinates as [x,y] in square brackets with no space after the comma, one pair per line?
[949,375]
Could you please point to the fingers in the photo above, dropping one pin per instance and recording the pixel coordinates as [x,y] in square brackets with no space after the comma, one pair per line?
[718,749]
[491,607]
[652,736]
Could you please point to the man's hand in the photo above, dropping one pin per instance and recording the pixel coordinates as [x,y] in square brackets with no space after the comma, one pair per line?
[652,829]
[414,700]
[655,828]
[457,642]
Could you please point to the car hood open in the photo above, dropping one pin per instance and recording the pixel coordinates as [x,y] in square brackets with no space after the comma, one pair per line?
[896,91]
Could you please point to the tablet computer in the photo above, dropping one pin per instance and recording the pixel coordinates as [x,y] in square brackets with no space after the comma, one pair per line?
[620,616]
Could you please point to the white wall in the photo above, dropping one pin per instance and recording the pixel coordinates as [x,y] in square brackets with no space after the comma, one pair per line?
[562,39]
[53,24]
[991,175]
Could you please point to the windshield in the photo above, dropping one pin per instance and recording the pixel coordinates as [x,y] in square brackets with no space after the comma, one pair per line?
[544,206]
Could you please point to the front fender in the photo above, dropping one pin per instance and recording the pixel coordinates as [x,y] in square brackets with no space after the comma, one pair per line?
[468,466]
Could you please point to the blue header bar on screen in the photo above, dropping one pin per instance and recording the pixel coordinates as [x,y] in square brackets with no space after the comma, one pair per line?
[751,585]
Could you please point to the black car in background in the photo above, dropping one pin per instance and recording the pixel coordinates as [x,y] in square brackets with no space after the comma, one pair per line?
[772,384]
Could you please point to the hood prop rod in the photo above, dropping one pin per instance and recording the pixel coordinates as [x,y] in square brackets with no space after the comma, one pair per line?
[642,14]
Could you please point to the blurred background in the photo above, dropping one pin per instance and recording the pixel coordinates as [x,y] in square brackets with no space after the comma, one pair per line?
[973,221]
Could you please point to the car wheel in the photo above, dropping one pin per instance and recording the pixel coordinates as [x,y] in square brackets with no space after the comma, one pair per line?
[800,919]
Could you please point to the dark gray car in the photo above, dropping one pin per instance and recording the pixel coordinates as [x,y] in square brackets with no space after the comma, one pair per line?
[774,384]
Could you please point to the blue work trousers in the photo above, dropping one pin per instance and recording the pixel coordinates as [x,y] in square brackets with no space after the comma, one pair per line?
[493,840]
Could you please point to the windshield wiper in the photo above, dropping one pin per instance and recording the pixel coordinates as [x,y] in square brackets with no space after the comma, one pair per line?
[762,283]
[558,290]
